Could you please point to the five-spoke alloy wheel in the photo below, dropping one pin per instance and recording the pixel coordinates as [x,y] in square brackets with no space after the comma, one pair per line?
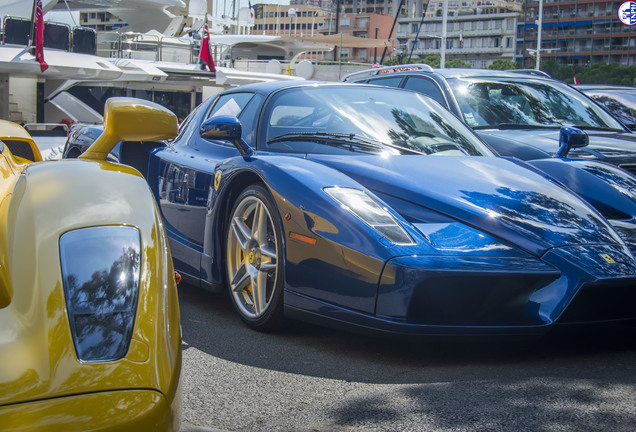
[254,259]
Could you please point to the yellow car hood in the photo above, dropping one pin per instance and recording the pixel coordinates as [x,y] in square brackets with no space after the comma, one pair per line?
[38,203]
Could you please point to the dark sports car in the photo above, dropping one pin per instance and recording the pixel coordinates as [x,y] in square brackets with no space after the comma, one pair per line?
[619,100]
[377,208]
[518,113]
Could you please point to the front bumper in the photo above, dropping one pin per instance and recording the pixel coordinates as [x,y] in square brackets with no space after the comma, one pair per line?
[510,292]
[126,410]
[428,295]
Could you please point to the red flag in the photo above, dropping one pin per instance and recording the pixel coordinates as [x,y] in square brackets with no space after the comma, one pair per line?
[206,49]
[39,35]
[576,82]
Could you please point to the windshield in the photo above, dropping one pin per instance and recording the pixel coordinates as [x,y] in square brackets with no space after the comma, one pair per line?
[620,103]
[349,119]
[494,102]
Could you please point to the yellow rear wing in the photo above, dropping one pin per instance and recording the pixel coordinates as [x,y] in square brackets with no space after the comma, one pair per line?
[131,119]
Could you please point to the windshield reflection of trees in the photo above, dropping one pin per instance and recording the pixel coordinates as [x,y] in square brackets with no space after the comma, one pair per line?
[104,307]
[624,113]
[412,126]
[532,104]
[532,212]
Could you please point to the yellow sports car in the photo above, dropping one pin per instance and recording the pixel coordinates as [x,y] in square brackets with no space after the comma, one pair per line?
[89,317]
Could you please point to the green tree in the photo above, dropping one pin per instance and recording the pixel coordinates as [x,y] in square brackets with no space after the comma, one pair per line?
[457,63]
[598,73]
[432,60]
[501,64]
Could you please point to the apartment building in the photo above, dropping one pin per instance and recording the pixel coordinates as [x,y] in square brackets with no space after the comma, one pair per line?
[292,20]
[577,33]
[477,39]
[364,26]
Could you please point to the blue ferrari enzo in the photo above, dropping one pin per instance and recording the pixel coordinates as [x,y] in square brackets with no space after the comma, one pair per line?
[375,207]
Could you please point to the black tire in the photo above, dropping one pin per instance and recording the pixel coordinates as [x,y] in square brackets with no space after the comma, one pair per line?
[254,259]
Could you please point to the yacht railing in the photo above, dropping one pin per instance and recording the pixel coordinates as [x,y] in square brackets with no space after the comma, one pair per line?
[17,31]
[143,46]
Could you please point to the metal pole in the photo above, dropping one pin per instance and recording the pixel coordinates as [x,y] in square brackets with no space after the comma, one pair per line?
[397,14]
[442,54]
[32,26]
[335,49]
[313,22]
[417,34]
[539,27]
[375,50]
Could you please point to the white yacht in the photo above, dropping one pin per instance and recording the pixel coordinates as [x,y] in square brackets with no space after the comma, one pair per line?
[86,67]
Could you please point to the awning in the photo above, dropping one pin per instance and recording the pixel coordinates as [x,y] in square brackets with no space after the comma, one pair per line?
[346,41]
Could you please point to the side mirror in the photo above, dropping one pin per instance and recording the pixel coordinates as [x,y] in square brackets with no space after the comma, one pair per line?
[569,138]
[131,119]
[225,128]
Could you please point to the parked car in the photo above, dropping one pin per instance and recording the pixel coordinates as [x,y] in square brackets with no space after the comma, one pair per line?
[82,138]
[376,208]
[618,100]
[518,114]
[89,314]
[49,137]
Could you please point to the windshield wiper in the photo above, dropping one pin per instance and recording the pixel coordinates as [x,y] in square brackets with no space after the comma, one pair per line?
[599,128]
[340,140]
[512,126]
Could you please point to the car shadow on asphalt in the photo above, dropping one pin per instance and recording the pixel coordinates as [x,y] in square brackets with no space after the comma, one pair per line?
[211,325]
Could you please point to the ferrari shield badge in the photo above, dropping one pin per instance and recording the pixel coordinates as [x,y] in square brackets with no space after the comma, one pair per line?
[608,258]
[217,180]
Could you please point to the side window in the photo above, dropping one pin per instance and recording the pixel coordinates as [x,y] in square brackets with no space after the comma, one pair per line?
[230,104]
[249,117]
[389,81]
[427,87]
[184,124]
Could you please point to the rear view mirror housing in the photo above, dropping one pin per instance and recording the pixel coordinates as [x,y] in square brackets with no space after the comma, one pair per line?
[570,138]
[226,128]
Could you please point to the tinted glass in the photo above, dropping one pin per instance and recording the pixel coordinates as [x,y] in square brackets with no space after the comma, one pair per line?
[622,104]
[248,119]
[230,104]
[493,102]
[17,31]
[425,86]
[361,119]
[389,81]
[84,40]
[57,36]
[101,271]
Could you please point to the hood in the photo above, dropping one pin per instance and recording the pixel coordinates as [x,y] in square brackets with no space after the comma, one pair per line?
[612,147]
[491,194]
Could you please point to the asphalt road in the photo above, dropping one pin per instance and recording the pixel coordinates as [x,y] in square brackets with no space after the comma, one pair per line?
[316,379]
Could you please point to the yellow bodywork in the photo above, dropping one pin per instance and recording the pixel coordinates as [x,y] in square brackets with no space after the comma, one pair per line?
[10,131]
[43,385]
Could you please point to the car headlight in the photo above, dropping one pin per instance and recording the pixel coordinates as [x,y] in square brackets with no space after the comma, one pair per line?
[370,212]
[100,271]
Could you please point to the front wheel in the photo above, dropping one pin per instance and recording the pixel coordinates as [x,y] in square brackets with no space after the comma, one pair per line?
[254,259]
